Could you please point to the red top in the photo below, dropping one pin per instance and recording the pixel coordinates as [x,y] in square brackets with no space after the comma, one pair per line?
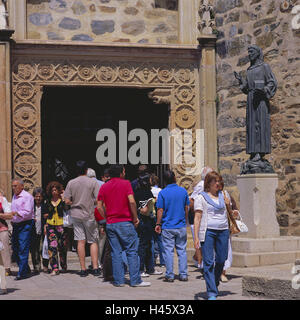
[98,216]
[114,194]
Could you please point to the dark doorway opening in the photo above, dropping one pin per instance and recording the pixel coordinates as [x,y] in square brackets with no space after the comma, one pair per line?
[72,116]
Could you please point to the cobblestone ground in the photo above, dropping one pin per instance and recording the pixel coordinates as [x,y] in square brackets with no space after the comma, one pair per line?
[70,286]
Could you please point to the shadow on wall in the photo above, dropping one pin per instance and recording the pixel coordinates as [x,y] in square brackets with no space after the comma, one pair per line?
[166,4]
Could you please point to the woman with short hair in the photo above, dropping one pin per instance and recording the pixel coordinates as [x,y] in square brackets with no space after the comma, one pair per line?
[57,239]
[212,222]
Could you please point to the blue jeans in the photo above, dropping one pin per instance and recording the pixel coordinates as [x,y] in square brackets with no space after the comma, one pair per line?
[175,238]
[159,248]
[214,253]
[123,237]
[21,238]
[145,232]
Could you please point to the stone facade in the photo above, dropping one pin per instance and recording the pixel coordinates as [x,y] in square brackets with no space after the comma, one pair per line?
[129,21]
[169,26]
[274,26]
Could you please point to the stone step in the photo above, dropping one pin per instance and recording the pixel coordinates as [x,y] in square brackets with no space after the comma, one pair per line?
[264,258]
[280,289]
[250,245]
[275,282]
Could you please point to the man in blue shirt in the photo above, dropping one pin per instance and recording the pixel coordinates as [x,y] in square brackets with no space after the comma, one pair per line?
[172,216]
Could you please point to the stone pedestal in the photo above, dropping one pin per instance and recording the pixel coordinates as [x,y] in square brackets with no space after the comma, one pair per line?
[258,204]
[262,245]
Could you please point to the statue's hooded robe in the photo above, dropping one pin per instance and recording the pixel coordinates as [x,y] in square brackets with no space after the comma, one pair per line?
[259,75]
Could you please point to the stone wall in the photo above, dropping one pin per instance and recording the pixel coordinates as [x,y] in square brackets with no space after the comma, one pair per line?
[275,27]
[133,21]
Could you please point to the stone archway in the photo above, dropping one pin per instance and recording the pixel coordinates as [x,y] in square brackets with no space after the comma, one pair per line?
[35,66]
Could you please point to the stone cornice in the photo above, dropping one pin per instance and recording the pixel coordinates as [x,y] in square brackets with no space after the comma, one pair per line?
[130,51]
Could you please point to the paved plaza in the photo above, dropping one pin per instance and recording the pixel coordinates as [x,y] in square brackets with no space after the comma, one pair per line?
[70,286]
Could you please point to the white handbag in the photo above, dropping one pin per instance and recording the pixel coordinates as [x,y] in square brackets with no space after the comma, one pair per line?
[67,219]
[241,225]
[45,253]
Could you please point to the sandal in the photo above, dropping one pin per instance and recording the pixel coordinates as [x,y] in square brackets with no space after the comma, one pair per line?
[55,272]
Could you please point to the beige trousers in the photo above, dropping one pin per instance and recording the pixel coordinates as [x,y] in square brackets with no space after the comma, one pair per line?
[2,274]
[6,253]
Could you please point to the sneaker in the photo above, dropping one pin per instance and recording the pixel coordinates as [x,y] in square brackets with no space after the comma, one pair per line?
[96,272]
[83,273]
[168,279]
[196,264]
[144,275]
[119,285]
[156,272]
[142,284]
[224,278]
[212,298]
[17,278]
[183,279]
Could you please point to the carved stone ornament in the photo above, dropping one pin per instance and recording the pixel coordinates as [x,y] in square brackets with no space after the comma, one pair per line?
[185,117]
[206,22]
[174,85]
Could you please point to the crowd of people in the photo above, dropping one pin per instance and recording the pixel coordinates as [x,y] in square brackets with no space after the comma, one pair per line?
[127,226]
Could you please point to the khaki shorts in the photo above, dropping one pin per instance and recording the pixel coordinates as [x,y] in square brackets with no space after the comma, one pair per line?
[85,230]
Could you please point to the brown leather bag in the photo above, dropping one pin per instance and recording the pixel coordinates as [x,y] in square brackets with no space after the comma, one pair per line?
[232,225]
[233,228]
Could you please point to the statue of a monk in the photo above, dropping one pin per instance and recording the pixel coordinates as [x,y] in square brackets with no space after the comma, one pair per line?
[260,85]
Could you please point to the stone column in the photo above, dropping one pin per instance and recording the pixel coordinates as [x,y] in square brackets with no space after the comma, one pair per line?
[5,114]
[258,204]
[208,116]
[188,18]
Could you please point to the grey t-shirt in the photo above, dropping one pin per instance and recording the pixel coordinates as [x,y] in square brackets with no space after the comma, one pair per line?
[83,192]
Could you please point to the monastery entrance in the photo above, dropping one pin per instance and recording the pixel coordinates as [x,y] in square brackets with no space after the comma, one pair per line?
[72,116]
[63,94]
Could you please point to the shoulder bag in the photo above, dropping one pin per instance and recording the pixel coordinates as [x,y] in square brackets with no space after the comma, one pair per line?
[233,228]
[67,219]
